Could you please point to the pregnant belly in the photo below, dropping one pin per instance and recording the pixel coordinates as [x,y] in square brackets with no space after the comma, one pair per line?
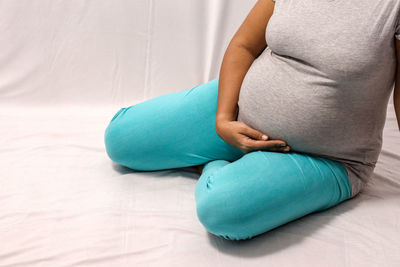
[312,113]
[308,120]
[303,131]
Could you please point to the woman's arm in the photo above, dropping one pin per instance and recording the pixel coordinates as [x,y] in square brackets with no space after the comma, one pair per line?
[246,45]
[396,93]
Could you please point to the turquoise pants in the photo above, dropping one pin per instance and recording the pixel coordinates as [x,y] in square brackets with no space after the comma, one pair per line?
[239,195]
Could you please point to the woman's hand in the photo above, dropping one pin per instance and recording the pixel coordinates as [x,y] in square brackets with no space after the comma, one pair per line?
[247,139]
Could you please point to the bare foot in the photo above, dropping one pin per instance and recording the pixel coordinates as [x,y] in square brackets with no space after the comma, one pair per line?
[200,168]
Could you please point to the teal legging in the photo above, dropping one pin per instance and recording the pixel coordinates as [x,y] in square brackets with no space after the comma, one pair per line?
[239,195]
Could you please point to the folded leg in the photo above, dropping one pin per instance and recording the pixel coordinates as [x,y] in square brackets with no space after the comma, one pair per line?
[263,190]
[169,131]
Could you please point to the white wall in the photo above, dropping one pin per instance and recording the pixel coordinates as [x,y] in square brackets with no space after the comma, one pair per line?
[99,52]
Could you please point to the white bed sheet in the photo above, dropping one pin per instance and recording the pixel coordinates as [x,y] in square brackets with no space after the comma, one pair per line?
[65,68]
[64,203]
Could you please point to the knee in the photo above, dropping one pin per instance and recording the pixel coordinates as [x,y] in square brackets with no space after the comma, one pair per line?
[113,142]
[117,140]
[220,213]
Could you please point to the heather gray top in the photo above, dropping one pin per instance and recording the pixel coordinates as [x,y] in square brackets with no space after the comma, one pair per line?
[324,81]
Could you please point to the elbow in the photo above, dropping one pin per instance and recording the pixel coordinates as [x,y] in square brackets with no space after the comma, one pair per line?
[252,50]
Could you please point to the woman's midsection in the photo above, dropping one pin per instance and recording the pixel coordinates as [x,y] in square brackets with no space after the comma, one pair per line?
[311,119]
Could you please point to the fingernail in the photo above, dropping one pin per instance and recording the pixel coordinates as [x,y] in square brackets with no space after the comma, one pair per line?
[264,137]
[286,149]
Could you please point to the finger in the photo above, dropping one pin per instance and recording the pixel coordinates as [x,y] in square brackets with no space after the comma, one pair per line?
[253,133]
[275,149]
[260,144]
[286,149]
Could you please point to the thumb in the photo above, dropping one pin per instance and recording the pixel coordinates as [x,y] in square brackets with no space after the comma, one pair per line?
[255,134]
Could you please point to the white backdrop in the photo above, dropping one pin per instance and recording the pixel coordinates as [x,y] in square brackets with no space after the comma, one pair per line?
[103,52]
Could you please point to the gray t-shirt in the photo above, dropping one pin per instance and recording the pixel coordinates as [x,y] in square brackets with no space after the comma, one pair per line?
[324,81]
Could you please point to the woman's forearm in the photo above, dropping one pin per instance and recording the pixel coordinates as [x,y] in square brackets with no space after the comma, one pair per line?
[235,64]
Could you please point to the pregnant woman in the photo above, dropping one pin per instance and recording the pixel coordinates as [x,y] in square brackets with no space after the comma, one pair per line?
[292,125]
